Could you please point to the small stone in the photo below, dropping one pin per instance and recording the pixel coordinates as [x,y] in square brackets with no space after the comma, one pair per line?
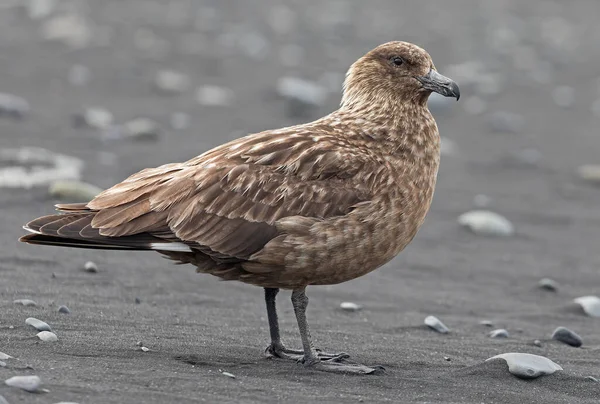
[527,366]
[4,356]
[137,300]
[564,96]
[179,121]
[79,75]
[64,310]
[13,106]
[482,201]
[506,122]
[141,129]
[567,336]
[139,343]
[548,284]
[170,82]
[2,364]
[349,306]
[592,378]
[447,359]
[590,305]
[435,324]
[231,375]
[25,302]
[486,323]
[37,324]
[537,343]
[214,96]
[73,191]
[499,333]
[590,172]
[28,383]
[90,267]
[47,336]
[301,90]
[144,349]
[485,222]
[95,117]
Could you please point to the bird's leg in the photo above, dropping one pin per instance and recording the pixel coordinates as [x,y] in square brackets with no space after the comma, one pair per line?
[311,356]
[276,348]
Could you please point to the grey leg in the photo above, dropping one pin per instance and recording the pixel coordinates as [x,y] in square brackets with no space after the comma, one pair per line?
[276,348]
[311,356]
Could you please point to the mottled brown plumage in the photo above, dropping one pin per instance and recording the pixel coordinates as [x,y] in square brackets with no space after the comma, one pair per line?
[312,204]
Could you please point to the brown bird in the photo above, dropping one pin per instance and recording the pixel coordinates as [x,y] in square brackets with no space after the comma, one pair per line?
[314,204]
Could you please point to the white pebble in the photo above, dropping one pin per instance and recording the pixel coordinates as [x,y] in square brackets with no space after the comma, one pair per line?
[307,92]
[95,117]
[37,324]
[214,96]
[499,333]
[141,129]
[590,172]
[47,336]
[27,383]
[349,306]
[171,82]
[486,223]
[590,305]
[25,302]
[4,356]
[435,324]
[527,366]
[231,375]
[90,267]
[548,284]
[144,349]
[2,365]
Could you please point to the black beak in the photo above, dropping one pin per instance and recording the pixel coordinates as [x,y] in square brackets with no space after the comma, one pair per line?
[434,81]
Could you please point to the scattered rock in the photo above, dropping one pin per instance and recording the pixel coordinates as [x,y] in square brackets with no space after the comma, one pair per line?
[37,324]
[79,75]
[231,375]
[71,29]
[485,222]
[350,306]
[94,117]
[4,356]
[13,106]
[435,324]
[141,129]
[527,366]
[590,305]
[537,343]
[506,122]
[73,191]
[499,333]
[25,302]
[31,166]
[28,383]
[486,323]
[64,310]
[548,284]
[214,96]
[592,378]
[564,96]
[179,121]
[47,336]
[90,267]
[170,82]
[144,349]
[2,364]
[590,172]
[567,336]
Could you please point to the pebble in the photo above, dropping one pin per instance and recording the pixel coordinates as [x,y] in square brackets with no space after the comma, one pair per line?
[170,82]
[350,306]
[25,302]
[13,106]
[590,172]
[71,29]
[528,366]
[79,75]
[28,383]
[548,284]
[90,267]
[486,323]
[179,120]
[37,324]
[144,349]
[592,378]
[506,122]
[564,96]
[64,310]
[94,117]
[485,222]
[73,191]
[435,324]
[214,96]
[590,305]
[499,333]
[141,129]
[231,375]
[537,343]
[4,356]
[2,364]
[47,336]
[567,336]
[301,90]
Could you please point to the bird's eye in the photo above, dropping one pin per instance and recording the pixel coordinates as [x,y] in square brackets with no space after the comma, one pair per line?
[397,61]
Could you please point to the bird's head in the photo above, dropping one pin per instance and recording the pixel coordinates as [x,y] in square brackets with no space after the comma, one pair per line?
[395,72]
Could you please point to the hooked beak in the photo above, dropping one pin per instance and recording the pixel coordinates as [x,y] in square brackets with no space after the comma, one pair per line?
[434,81]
